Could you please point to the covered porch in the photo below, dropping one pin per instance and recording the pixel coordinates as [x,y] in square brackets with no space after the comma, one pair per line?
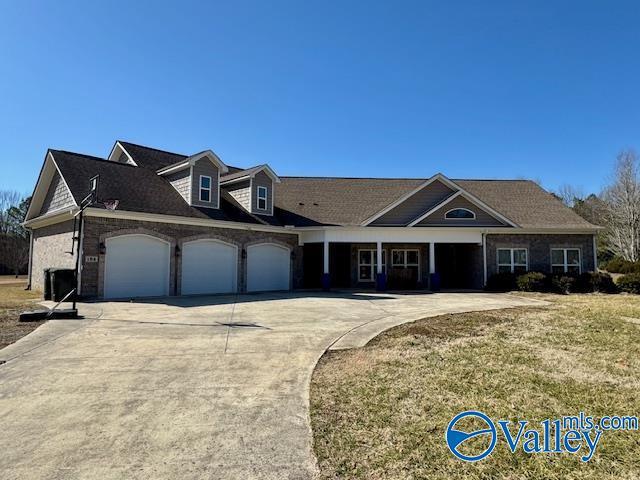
[413,259]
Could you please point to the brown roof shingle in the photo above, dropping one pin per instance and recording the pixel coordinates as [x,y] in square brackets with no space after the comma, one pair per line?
[351,201]
[299,201]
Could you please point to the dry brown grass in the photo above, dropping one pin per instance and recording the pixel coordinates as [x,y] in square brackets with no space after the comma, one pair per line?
[380,412]
[14,299]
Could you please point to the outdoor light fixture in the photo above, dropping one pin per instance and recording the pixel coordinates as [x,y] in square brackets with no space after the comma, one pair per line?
[103,248]
[244,253]
[177,250]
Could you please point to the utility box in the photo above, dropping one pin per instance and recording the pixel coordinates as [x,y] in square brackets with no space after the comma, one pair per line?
[47,284]
[62,282]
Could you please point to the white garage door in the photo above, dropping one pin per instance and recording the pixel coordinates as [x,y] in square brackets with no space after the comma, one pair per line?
[268,267]
[209,266]
[136,266]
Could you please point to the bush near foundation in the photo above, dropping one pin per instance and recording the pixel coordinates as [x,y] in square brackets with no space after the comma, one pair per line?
[619,265]
[563,284]
[629,283]
[595,282]
[501,282]
[532,282]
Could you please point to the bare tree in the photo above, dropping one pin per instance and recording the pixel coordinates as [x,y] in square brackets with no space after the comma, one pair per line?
[569,194]
[622,213]
[8,199]
[14,238]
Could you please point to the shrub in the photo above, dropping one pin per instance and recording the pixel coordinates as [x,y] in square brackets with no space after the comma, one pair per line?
[629,283]
[619,265]
[595,282]
[564,284]
[501,282]
[532,282]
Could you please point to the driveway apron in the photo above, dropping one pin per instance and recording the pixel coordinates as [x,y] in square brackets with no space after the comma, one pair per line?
[187,388]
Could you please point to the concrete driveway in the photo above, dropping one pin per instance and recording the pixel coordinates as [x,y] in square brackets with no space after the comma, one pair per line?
[207,387]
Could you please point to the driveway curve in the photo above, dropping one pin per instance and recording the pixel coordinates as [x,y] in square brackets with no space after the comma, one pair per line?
[189,388]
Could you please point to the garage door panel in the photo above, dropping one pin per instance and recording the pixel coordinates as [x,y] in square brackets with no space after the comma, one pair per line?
[136,266]
[209,267]
[268,268]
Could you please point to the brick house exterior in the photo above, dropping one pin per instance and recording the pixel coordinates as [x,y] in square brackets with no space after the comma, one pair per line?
[341,232]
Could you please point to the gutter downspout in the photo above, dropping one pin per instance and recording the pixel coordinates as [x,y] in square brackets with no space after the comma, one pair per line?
[484,257]
[30,260]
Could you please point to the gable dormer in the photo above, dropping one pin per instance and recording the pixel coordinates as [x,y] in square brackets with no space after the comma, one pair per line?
[197,178]
[254,188]
[119,154]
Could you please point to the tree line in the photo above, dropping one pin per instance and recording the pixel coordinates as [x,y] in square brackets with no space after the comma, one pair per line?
[14,238]
[616,208]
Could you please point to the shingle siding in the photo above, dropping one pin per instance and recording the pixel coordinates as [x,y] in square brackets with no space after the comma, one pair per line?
[417,204]
[58,196]
[181,181]
[98,229]
[539,249]
[482,218]
[241,192]
[204,166]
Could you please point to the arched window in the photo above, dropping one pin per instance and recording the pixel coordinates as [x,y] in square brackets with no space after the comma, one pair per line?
[460,214]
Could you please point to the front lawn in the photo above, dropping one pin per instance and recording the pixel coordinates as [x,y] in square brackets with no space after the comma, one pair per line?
[13,300]
[381,412]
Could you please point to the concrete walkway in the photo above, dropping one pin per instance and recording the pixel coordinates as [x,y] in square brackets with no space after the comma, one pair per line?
[206,387]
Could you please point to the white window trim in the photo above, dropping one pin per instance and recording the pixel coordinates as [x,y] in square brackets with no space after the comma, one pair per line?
[201,188]
[374,257]
[565,265]
[265,198]
[405,264]
[511,264]
[460,208]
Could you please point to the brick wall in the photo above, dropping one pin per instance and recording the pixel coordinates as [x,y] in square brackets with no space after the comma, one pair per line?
[51,247]
[97,230]
[539,249]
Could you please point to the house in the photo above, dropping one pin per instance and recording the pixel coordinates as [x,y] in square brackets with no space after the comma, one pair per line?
[170,224]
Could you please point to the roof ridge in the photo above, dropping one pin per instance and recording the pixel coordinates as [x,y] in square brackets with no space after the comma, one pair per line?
[90,157]
[353,178]
[156,149]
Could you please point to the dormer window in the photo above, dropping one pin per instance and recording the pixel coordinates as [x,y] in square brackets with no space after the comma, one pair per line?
[460,214]
[262,198]
[205,188]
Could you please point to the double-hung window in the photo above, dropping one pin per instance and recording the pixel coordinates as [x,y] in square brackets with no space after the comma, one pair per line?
[565,260]
[405,258]
[205,188]
[512,260]
[368,264]
[262,198]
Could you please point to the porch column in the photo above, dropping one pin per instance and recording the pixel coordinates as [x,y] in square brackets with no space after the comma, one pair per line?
[325,257]
[434,278]
[381,279]
[326,278]
[432,257]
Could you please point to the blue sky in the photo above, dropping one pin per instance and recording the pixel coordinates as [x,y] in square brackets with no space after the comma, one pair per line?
[501,89]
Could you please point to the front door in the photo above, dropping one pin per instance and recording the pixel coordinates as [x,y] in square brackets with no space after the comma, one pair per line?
[368,265]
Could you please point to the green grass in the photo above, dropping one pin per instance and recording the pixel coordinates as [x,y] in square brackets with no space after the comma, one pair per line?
[380,412]
[14,299]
